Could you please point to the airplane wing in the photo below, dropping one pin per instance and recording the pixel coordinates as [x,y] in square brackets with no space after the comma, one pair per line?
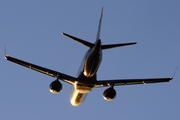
[52,73]
[103,83]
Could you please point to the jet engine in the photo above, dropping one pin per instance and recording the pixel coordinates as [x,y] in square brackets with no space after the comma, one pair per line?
[55,87]
[109,94]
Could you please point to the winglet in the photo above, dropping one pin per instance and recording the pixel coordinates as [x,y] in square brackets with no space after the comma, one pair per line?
[5,52]
[174,73]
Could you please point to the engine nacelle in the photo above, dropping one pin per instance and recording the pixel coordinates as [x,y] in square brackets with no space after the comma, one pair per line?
[55,87]
[109,94]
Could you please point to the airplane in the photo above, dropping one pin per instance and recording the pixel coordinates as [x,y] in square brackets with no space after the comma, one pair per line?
[86,80]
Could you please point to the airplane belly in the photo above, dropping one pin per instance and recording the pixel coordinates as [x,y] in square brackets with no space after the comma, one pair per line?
[76,98]
[83,89]
[92,64]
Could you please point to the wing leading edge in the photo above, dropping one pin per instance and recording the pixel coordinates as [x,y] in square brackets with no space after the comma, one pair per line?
[52,73]
[103,83]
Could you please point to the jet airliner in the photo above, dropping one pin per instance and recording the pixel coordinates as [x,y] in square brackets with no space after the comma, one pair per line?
[86,80]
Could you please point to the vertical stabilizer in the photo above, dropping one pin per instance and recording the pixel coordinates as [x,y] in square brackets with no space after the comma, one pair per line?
[99,27]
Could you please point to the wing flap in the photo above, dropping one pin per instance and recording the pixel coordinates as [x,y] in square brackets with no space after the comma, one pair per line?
[52,73]
[103,83]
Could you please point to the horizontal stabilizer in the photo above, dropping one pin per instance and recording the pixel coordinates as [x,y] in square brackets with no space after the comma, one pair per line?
[103,47]
[88,44]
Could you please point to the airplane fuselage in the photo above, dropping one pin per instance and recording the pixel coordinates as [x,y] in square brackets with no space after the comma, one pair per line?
[86,74]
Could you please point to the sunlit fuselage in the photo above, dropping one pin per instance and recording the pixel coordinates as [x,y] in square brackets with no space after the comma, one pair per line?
[86,74]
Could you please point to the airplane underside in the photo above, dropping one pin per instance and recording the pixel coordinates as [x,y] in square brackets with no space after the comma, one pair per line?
[76,97]
[86,80]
